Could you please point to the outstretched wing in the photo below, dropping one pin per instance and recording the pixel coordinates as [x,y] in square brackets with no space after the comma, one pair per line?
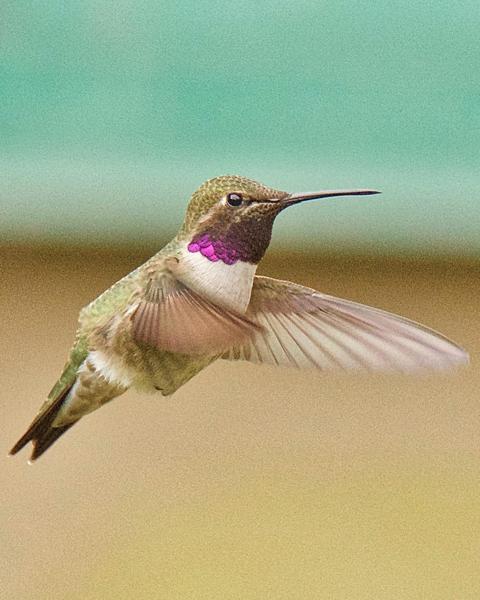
[304,328]
[170,316]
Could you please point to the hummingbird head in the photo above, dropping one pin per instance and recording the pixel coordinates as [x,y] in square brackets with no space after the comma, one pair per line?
[230,218]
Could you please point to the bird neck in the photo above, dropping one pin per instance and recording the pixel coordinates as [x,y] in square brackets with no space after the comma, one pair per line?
[242,238]
[219,276]
[220,257]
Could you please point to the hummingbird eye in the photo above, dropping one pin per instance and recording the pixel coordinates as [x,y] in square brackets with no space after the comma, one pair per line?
[234,199]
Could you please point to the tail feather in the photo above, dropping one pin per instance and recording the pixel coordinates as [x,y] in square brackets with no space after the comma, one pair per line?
[41,432]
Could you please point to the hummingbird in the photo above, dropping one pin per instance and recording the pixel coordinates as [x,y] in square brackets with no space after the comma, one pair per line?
[199,299]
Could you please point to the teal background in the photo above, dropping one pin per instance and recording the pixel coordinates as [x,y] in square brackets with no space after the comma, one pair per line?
[111,113]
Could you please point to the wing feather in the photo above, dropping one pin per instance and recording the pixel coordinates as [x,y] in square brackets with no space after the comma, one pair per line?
[172,317]
[304,328]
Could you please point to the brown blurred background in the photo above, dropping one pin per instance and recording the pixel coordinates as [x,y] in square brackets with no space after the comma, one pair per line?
[250,482]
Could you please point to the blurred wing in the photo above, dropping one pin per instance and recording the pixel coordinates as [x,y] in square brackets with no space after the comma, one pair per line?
[304,328]
[170,316]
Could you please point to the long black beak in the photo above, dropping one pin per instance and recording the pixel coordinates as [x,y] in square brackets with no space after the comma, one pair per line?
[296,198]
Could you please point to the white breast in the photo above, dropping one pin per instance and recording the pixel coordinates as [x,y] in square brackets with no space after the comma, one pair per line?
[226,285]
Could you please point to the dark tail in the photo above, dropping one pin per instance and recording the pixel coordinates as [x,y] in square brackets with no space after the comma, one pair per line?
[41,433]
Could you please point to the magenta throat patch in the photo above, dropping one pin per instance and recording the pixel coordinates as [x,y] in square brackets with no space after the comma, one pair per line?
[214,250]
